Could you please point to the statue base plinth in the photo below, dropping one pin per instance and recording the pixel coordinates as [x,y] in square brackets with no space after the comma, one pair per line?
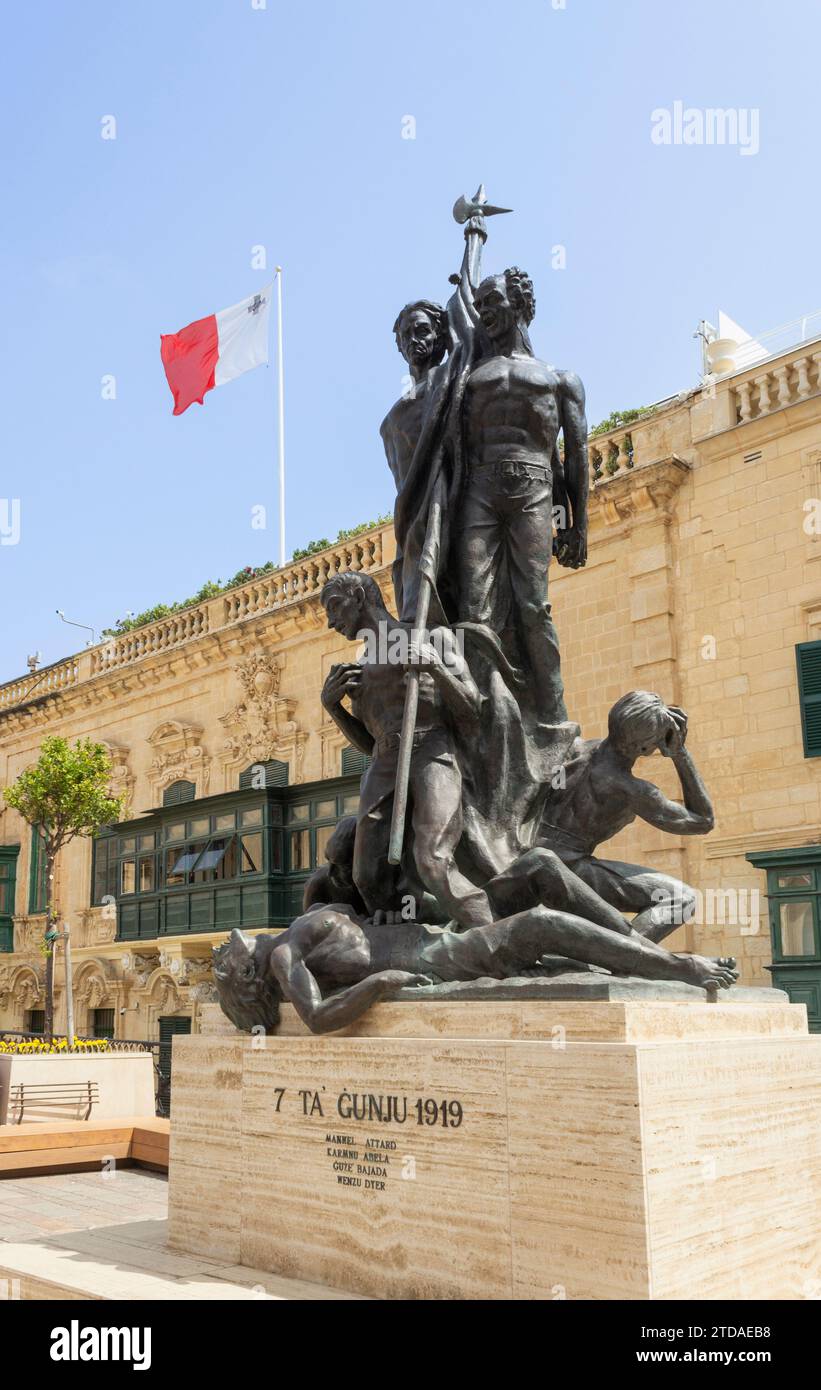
[511,1148]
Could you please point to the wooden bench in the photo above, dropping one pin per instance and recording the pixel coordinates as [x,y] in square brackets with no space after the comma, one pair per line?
[36,1146]
[51,1094]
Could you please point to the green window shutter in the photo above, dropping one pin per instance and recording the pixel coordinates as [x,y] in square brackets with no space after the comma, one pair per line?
[170,1027]
[178,792]
[276,775]
[8,886]
[808,656]
[354,761]
[103,868]
[38,882]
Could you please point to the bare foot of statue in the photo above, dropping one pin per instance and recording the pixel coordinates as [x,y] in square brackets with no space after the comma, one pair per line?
[715,974]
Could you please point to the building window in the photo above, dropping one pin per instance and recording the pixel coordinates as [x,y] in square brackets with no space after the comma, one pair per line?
[36,1021]
[102,1023]
[261,775]
[179,791]
[794,894]
[103,869]
[808,658]
[237,859]
[171,1026]
[354,761]
[8,889]
[311,825]
[38,877]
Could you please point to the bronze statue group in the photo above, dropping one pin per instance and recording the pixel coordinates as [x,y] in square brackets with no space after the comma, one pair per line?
[473,853]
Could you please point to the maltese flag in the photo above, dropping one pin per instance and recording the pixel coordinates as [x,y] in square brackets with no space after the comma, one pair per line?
[214,350]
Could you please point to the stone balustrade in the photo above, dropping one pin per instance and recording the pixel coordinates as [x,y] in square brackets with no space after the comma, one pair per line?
[154,637]
[611,454]
[660,434]
[45,682]
[766,388]
[729,401]
[302,579]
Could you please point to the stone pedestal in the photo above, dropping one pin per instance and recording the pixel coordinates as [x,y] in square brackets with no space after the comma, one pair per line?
[531,1149]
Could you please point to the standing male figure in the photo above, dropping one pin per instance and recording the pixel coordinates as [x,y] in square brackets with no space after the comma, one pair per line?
[421,332]
[602,796]
[514,408]
[376,688]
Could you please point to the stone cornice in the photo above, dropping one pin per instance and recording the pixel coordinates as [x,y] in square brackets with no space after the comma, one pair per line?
[643,493]
[278,628]
[737,846]
[747,436]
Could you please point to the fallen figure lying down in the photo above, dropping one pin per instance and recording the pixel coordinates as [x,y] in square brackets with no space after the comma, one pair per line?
[332,965]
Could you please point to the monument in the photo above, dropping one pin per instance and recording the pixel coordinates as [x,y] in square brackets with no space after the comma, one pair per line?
[471,1068]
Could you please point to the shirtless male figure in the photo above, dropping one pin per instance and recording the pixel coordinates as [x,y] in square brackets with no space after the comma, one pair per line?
[514,409]
[329,949]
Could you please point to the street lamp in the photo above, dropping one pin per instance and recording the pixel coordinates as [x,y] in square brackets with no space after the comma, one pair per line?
[52,936]
[61,615]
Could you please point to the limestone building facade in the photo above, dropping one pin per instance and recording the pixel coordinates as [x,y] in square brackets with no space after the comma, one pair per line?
[703,583]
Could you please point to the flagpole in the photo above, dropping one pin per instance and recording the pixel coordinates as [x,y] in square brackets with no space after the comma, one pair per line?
[281,385]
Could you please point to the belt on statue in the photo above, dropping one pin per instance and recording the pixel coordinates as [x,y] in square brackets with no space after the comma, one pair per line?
[512,468]
[391,741]
[563,840]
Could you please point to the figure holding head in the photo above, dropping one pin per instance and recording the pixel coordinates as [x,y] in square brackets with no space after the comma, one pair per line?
[602,795]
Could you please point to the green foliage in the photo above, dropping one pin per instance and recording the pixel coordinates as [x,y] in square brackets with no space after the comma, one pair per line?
[364,526]
[210,589]
[66,792]
[619,418]
[214,587]
[312,548]
[346,534]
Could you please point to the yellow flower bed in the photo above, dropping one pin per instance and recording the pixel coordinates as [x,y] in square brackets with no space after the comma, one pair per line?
[19,1047]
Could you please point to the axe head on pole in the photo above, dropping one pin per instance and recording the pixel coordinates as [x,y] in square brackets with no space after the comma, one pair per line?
[464,208]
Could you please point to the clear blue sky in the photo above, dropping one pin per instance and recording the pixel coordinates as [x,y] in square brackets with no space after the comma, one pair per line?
[283,126]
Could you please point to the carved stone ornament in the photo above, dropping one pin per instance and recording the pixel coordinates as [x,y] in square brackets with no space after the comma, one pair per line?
[261,726]
[93,985]
[178,756]
[122,779]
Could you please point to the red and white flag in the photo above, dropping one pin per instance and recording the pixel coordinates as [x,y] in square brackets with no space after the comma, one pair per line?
[214,350]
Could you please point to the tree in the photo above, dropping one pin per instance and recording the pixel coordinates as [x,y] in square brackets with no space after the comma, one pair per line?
[66,793]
